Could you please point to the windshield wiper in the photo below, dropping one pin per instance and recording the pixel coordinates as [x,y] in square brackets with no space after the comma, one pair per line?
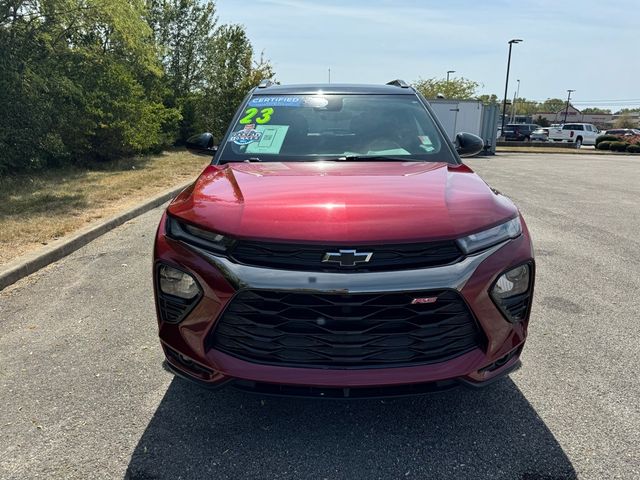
[246,160]
[370,158]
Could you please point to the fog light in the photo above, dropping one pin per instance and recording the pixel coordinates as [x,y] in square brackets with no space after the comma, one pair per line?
[177,283]
[511,293]
[513,282]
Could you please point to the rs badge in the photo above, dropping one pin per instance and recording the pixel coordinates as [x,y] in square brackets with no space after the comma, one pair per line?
[416,301]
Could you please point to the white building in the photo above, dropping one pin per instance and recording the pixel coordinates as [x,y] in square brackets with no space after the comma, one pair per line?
[573,115]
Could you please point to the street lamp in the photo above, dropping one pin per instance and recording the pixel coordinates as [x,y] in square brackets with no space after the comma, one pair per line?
[516,95]
[566,109]
[506,84]
[448,72]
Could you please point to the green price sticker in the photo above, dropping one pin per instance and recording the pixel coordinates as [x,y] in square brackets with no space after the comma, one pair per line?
[265,115]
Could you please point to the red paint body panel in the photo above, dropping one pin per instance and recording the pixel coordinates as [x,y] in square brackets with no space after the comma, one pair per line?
[341,203]
[352,202]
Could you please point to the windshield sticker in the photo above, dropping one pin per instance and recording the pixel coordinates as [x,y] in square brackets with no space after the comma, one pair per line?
[264,117]
[279,101]
[315,102]
[247,135]
[272,139]
[426,143]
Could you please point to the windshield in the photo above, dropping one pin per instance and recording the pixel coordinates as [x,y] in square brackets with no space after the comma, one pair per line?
[280,128]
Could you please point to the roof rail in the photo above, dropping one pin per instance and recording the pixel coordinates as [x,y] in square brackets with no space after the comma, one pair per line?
[265,83]
[398,83]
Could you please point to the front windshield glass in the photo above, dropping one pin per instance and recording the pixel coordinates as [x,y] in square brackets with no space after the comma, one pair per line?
[283,128]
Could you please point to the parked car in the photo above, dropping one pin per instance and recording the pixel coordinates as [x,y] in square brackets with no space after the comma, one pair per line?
[540,135]
[337,246]
[519,132]
[623,132]
[578,133]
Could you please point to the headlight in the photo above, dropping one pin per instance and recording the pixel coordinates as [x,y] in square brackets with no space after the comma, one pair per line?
[487,238]
[177,283]
[512,293]
[197,236]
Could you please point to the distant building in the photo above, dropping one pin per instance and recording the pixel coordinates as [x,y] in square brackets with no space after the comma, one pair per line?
[600,120]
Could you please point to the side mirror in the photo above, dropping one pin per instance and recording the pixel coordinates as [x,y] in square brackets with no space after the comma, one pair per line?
[468,144]
[201,144]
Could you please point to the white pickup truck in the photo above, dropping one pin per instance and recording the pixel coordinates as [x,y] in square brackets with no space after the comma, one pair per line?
[578,133]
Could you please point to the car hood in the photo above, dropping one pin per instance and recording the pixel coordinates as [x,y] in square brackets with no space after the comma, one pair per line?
[342,202]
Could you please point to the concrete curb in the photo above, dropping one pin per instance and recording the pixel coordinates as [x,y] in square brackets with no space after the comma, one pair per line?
[31,262]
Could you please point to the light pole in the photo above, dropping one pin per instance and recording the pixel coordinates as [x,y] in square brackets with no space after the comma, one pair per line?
[506,84]
[448,72]
[513,105]
[566,109]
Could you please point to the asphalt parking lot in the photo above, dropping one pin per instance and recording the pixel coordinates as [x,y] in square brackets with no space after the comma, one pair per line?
[83,395]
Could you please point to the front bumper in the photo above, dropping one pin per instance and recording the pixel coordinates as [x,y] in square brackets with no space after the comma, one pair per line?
[188,352]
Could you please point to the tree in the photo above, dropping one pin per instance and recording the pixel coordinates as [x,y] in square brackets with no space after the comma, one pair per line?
[596,110]
[523,106]
[625,121]
[234,71]
[86,80]
[542,121]
[184,31]
[209,69]
[488,99]
[553,105]
[456,88]
[78,81]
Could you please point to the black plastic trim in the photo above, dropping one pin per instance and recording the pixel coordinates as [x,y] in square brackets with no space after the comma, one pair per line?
[344,393]
[500,376]
[505,314]
[191,304]
[166,365]
[182,235]
[292,255]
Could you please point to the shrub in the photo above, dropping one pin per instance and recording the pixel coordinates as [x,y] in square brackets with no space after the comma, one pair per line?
[607,138]
[633,148]
[618,146]
[603,145]
[633,139]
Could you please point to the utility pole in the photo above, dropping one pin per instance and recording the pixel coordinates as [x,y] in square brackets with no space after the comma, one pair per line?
[448,72]
[329,74]
[516,95]
[566,109]
[506,85]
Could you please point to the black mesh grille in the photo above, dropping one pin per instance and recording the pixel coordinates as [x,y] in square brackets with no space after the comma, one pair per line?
[173,309]
[309,257]
[516,307]
[357,330]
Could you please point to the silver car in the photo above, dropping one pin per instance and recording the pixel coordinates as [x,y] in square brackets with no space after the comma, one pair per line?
[540,135]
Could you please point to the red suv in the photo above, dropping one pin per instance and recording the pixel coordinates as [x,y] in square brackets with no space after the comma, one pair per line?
[337,247]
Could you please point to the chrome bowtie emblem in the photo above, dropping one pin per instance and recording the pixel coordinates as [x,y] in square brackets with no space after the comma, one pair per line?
[347,258]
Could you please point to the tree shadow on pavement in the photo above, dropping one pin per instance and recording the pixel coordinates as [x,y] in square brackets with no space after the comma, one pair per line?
[490,433]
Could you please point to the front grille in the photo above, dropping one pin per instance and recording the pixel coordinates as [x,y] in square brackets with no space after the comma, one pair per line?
[343,331]
[308,257]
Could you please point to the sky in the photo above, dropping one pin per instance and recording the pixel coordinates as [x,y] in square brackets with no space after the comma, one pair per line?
[585,45]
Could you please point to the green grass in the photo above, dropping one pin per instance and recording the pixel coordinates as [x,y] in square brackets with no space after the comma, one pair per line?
[39,207]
